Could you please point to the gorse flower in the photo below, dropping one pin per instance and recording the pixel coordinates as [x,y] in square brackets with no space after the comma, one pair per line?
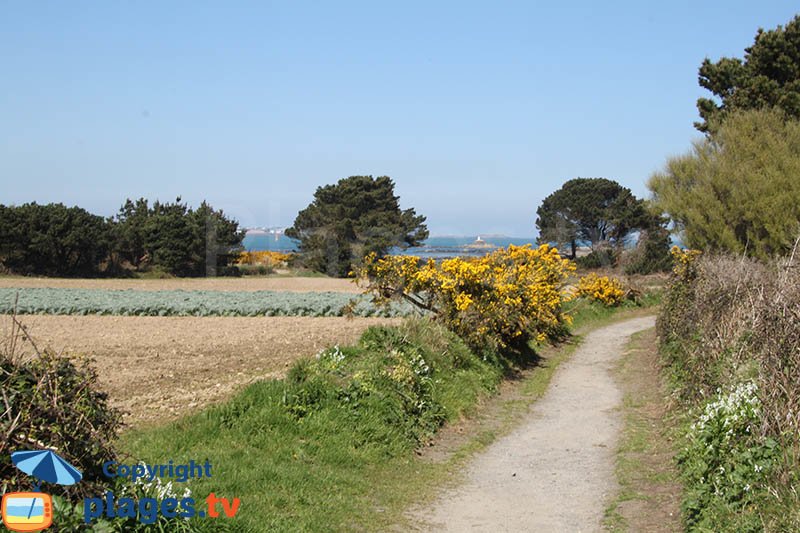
[608,291]
[264,257]
[684,262]
[505,298]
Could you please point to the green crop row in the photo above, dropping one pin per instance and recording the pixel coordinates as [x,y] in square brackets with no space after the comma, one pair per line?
[190,303]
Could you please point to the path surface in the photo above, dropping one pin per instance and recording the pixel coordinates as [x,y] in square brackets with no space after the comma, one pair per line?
[555,472]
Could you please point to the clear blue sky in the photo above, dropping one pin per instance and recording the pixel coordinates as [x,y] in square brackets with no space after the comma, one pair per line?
[477,110]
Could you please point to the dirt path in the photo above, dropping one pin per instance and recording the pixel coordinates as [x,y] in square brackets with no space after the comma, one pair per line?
[555,472]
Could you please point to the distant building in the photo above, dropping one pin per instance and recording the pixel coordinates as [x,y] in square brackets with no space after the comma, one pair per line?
[481,244]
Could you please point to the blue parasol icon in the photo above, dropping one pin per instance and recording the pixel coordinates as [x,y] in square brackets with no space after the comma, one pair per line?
[45,465]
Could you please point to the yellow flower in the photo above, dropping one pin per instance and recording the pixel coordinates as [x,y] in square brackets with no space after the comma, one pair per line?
[608,291]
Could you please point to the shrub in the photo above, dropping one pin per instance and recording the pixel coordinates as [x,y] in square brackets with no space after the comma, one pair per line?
[726,464]
[651,253]
[608,291]
[737,190]
[600,258]
[727,320]
[255,270]
[264,257]
[395,387]
[53,402]
[500,301]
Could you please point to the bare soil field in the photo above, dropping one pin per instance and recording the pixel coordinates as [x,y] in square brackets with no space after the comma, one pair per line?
[291,284]
[156,368]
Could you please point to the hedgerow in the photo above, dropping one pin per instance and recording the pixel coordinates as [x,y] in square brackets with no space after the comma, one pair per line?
[730,336]
[51,401]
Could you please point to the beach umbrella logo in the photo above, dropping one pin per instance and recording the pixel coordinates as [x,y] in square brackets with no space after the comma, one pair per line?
[33,511]
[46,465]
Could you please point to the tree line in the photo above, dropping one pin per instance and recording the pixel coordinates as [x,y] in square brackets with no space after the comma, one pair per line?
[168,237]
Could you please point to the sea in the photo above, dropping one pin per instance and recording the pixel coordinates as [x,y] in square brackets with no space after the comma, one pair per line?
[434,247]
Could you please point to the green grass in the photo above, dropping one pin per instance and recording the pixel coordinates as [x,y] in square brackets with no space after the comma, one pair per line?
[588,314]
[333,446]
[644,465]
[334,441]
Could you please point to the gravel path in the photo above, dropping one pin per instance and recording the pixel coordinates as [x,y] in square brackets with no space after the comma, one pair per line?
[555,472]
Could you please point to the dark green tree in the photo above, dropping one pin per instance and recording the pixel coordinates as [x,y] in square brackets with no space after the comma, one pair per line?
[129,231]
[169,233]
[768,76]
[217,241]
[596,210]
[52,240]
[352,218]
[176,238]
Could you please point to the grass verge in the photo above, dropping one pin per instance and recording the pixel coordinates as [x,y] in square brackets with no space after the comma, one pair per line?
[649,495]
[335,445]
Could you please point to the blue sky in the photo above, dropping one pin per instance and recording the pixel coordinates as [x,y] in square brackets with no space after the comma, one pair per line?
[477,110]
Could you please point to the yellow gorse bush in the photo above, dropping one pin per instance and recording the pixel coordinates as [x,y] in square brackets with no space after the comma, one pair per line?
[604,289]
[684,262]
[265,257]
[501,300]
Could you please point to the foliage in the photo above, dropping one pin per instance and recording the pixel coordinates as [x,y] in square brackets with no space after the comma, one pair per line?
[608,291]
[769,76]
[262,263]
[52,240]
[651,254]
[265,257]
[500,301]
[176,238]
[737,191]
[599,258]
[726,321]
[337,435]
[52,402]
[684,263]
[351,219]
[60,241]
[191,303]
[725,464]
[590,209]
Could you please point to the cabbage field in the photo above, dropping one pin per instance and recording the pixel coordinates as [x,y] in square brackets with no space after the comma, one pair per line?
[51,301]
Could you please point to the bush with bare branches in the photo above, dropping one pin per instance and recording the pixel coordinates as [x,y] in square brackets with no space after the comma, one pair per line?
[49,401]
[728,321]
